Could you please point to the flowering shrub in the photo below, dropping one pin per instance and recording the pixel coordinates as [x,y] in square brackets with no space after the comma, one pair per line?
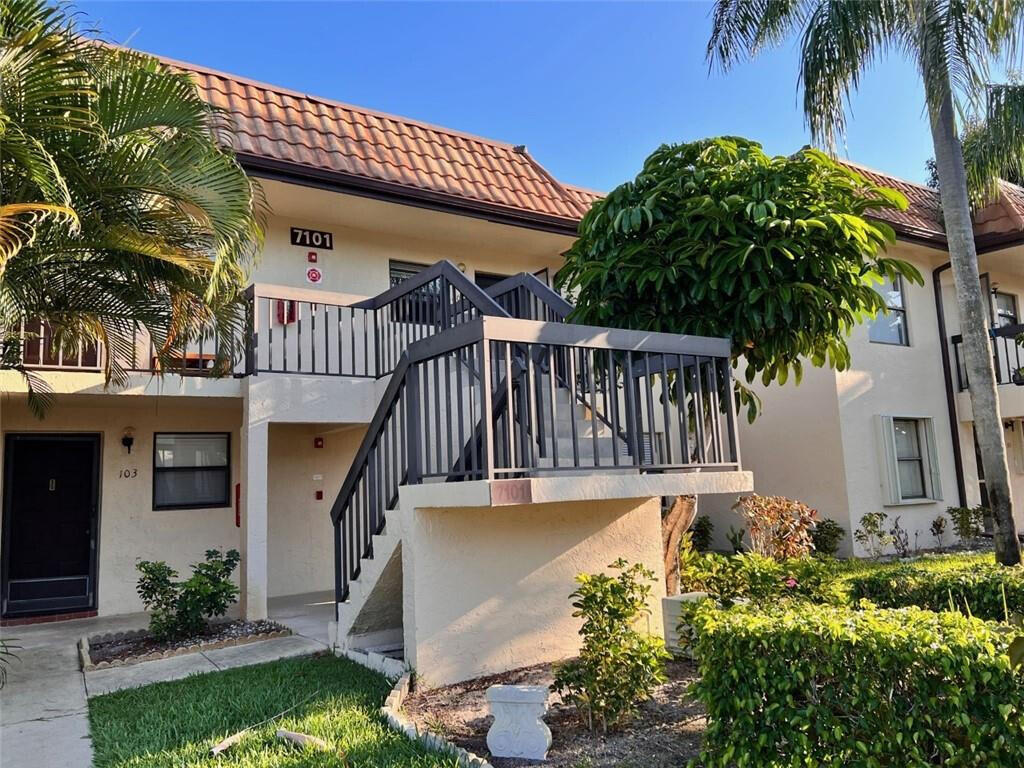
[789,685]
[758,578]
[779,528]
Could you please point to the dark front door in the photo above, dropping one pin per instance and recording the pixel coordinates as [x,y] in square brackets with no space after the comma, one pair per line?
[51,492]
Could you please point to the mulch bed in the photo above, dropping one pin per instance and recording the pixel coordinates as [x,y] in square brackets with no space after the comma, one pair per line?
[136,646]
[666,732]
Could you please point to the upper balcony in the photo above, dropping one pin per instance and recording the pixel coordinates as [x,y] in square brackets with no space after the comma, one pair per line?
[1008,361]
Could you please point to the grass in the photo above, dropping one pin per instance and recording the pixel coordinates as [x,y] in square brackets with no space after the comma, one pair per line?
[174,724]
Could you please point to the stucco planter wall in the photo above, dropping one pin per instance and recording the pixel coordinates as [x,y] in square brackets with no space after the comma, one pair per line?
[677,638]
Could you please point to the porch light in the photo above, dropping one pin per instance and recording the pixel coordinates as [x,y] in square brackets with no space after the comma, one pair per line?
[128,438]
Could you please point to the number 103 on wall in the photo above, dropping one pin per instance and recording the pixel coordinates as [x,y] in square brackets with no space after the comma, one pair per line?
[312,238]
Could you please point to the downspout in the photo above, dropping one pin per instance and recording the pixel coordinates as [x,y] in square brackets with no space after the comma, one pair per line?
[947,372]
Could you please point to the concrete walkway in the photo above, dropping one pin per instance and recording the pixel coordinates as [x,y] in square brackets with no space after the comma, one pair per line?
[43,709]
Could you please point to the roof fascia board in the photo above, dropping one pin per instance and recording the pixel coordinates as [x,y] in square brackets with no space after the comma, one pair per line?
[335,181]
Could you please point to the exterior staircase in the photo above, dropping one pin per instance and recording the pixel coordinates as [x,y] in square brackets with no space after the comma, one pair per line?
[496,386]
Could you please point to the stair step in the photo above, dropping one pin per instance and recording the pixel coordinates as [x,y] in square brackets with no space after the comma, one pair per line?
[606,462]
[606,447]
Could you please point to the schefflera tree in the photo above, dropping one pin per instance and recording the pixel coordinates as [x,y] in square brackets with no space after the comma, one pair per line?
[717,238]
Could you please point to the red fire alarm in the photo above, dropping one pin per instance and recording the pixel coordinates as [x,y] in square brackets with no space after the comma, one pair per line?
[311,257]
[319,495]
[318,442]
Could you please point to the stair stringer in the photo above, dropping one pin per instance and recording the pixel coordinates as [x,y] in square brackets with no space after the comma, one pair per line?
[372,615]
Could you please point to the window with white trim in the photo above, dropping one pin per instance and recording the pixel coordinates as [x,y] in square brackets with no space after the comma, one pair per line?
[191,470]
[910,464]
[891,327]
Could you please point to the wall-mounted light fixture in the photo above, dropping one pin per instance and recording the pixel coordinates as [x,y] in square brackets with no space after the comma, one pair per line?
[128,438]
[462,266]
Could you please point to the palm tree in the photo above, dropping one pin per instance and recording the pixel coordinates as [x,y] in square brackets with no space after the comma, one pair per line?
[122,212]
[952,42]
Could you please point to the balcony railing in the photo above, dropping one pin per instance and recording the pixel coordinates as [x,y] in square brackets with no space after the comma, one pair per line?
[1007,356]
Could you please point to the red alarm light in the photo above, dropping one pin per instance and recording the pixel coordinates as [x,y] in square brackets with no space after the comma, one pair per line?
[311,257]
[318,442]
[319,495]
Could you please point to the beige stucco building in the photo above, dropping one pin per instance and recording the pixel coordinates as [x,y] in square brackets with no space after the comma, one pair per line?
[894,433]
[412,432]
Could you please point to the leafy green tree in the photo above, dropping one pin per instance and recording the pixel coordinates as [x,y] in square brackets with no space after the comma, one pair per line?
[953,45]
[121,209]
[716,238]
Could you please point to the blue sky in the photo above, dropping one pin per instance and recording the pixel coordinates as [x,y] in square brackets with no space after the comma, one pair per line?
[590,88]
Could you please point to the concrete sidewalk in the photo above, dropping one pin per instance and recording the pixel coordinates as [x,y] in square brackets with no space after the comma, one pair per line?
[43,708]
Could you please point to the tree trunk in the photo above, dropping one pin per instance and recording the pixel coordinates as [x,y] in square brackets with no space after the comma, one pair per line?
[673,525]
[974,325]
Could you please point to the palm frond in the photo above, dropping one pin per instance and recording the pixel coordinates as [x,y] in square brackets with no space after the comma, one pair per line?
[18,225]
[995,147]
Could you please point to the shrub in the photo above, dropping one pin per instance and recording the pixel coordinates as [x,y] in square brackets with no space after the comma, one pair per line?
[735,537]
[618,667]
[180,609]
[968,522]
[975,588]
[865,688]
[871,534]
[755,577]
[938,531]
[826,536]
[779,528]
[900,538]
[702,533]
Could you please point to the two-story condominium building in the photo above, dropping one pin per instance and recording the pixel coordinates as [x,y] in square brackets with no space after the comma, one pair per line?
[413,431]
[894,433]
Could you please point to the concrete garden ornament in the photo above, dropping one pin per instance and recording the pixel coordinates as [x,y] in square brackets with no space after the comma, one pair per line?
[518,729]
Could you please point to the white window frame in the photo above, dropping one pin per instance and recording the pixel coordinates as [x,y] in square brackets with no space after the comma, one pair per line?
[893,495]
[885,316]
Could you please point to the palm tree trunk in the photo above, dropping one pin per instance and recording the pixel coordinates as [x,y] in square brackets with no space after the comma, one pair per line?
[974,326]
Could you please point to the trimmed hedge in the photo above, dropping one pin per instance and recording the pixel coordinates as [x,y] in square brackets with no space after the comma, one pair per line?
[975,588]
[819,685]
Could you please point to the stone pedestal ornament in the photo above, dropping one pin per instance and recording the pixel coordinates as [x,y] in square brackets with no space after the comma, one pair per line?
[518,729]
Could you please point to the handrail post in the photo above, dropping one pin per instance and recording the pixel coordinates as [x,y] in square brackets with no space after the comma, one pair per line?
[631,426]
[730,409]
[486,427]
[251,330]
[412,423]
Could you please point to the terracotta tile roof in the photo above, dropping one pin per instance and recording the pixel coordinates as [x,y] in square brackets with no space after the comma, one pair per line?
[584,197]
[308,132]
[923,216]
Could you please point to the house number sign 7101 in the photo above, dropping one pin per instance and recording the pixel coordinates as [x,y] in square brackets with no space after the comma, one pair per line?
[312,238]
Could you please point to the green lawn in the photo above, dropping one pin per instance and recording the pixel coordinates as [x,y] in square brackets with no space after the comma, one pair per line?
[175,724]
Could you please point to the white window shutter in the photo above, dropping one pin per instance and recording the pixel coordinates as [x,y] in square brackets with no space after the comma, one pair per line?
[933,461]
[887,460]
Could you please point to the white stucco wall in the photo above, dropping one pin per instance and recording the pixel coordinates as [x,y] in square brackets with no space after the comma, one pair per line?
[300,537]
[793,449]
[129,528]
[486,589]
[897,381]
[368,234]
[817,441]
